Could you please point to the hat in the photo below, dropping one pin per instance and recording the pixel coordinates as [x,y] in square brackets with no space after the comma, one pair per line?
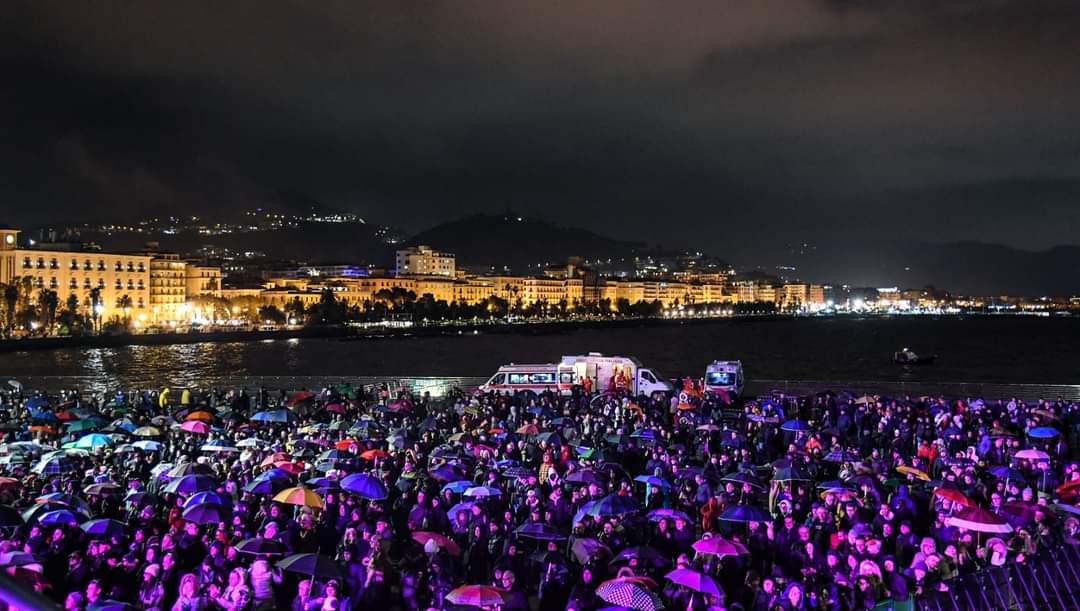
[990,543]
[154,570]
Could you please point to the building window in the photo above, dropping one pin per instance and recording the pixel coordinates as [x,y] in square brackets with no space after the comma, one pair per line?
[140,302]
[52,282]
[26,263]
[119,266]
[141,267]
[119,283]
[86,265]
[131,266]
[86,283]
[73,284]
[41,262]
[101,265]
[140,285]
[131,284]
[53,263]
[74,264]
[101,283]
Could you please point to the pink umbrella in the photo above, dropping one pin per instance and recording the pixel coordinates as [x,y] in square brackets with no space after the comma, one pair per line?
[1032,454]
[718,546]
[196,426]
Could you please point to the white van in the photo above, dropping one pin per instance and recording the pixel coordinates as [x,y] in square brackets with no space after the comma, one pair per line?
[537,378]
[724,376]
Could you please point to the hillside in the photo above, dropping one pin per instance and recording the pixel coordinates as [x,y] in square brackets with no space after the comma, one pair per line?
[486,240]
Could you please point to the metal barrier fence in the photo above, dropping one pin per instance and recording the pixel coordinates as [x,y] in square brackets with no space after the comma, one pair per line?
[1049,580]
[439,385]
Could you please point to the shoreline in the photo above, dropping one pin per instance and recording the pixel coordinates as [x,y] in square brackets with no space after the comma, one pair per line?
[346,333]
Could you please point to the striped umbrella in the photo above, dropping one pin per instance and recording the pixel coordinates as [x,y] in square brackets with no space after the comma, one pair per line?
[300,496]
[475,596]
[314,565]
[57,465]
[979,520]
[629,594]
[260,547]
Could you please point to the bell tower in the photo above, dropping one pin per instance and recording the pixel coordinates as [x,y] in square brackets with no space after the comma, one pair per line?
[9,238]
[9,242]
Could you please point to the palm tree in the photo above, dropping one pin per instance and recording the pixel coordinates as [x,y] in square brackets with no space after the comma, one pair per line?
[11,301]
[49,301]
[95,306]
[124,304]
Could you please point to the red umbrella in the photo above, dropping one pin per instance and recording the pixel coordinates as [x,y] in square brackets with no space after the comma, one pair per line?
[1066,490]
[423,536]
[345,444]
[298,396]
[954,495]
[337,408]
[979,520]
[373,454]
[475,596]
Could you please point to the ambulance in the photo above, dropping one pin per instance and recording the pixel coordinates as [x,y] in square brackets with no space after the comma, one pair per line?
[602,373]
[724,376]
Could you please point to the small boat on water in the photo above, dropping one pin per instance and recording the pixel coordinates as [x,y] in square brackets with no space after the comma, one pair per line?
[907,357]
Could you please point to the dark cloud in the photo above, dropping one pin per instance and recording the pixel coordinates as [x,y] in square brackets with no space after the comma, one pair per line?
[762,122]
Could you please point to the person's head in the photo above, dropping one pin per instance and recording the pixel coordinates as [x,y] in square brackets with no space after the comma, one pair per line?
[93,590]
[303,588]
[928,546]
[168,561]
[151,573]
[189,584]
[332,589]
[508,580]
[74,601]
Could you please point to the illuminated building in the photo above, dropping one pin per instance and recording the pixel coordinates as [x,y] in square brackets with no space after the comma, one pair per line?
[421,260]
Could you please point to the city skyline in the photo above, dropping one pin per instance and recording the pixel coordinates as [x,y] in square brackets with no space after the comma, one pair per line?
[929,121]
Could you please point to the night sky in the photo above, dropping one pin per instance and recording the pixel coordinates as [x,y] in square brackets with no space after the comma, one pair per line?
[727,125]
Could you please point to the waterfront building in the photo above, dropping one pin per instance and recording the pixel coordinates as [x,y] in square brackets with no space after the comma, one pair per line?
[422,260]
[121,281]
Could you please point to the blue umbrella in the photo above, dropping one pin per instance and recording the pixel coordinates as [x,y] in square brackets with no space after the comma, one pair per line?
[148,445]
[465,506]
[446,473]
[266,486]
[1006,473]
[104,528]
[93,441]
[206,513]
[190,484]
[613,505]
[795,425]
[666,513]
[276,473]
[40,415]
[745,513]
[647,434]
[365,485]
[209,497]
[652,480]
[459,486]
[280,416]
[60,516]
[539,531]
[1043,432]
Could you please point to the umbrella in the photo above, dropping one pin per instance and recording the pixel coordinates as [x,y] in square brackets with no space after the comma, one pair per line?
[188,468]
[314,565]
[300,496]
[539,531]
[795,426]
[694,580]
[475,596]
[643,554]
[906,470]
[1006,473]
[841,455]
[148,445]
[979,520]
[719,546]
[219,445]
[1067,508]
[279,416]
[587,476]
[104,528]
[744,478]
[374,454]
[250,442]
[200,415]
[190,484]
[464,506]
[9,483]
[1017,513]
[206,513]
[1032,454]
[666,513]
[629,594]
[518,472]
[141,498]
[792,473]
[423,536]
[613,505]
[147,431]
[1042,432]
[260,547]
[57,465]
[364,485]
[209,497]
[16,559]
[745,513]
[1068,489]
[196,426]
[652,480]
[459,486]
[482,491]
[954,495]
[61,516]
[528,429]
[446,473]
[104,488]
[63,498]
[585,549]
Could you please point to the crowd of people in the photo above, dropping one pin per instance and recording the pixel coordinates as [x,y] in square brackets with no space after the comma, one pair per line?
[373,498]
